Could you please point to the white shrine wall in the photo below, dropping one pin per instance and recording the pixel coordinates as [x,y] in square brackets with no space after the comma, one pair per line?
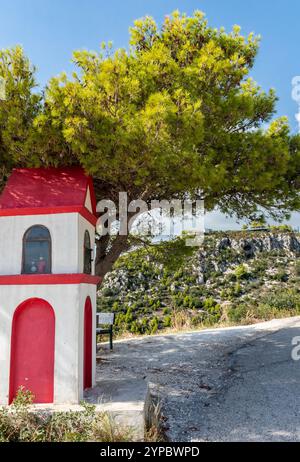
[67,236]
[68,303]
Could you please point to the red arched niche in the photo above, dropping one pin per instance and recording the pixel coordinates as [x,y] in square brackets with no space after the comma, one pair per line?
[88,340]
[32,350]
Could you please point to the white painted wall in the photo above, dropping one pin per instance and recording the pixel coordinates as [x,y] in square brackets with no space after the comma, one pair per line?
[68,302]
[84,225]
[64,234]
[67,234]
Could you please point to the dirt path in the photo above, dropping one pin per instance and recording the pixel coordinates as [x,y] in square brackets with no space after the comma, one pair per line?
[236,384]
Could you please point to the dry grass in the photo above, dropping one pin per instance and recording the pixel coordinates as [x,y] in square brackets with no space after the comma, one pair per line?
[19,423]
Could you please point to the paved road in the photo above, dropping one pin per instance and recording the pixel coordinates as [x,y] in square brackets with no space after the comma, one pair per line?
[236,384]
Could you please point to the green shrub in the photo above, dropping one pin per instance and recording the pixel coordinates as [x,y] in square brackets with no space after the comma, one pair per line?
[237,290]
[241,272]
[282,300]
[166,310]
[167,321]
[108,292]
[213,310]
[260,266]
[153,325]
[281,276]
[19,424]
[237,313]
[231,277]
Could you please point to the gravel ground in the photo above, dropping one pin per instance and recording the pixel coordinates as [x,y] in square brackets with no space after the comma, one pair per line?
[234,384]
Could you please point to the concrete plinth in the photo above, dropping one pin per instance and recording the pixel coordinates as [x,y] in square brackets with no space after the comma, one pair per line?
[126,400]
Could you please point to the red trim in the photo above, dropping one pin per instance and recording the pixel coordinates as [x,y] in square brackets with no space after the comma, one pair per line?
[83,211]
[48,279]
[87,343]
[38,210]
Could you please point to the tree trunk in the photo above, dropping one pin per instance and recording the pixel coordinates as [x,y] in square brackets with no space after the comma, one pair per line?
[110,248]
[106,259]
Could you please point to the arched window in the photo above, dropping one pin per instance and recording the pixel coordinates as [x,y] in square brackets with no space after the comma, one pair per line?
[87,265]
[36,251]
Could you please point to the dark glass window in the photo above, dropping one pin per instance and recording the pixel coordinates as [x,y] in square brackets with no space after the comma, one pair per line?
[87,266]
[37,251]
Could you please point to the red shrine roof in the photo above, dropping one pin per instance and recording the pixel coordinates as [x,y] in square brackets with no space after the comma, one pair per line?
[35,191]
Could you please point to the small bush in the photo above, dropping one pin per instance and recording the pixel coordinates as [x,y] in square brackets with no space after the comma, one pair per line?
[282,300]
[260,267]
[167,322]
[19,423]
[281,276]
[241,272]
[237,313]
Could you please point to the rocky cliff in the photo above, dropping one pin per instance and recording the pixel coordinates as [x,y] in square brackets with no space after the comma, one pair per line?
[234,277]
[244,246]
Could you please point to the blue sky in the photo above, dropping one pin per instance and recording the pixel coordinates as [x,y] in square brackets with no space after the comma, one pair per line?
[50,30]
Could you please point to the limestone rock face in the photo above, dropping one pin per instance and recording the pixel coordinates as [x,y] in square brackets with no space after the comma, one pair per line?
[219,253]
[243,249]
[286,242]
[234,276]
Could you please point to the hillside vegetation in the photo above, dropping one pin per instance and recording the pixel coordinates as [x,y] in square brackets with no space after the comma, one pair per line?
[235,278]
